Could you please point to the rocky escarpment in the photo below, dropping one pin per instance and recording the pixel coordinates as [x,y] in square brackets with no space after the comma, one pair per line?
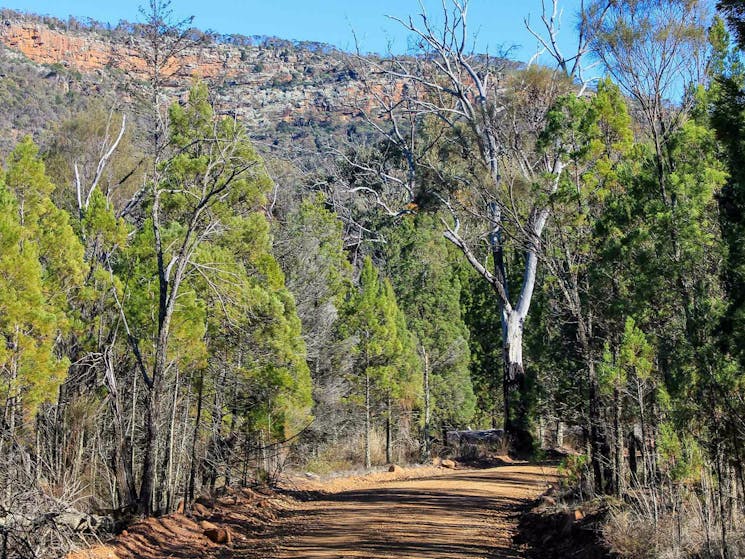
[265,84]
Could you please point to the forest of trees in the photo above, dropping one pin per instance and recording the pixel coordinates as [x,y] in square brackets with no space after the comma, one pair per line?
[529,247]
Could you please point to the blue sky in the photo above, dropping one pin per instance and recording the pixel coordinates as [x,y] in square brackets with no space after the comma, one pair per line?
[495,22]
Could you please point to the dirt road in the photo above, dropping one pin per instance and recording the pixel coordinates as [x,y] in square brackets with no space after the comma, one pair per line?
[464,514]
[419,513]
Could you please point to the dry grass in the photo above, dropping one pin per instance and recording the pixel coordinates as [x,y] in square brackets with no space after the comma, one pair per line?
[642,529]
[349,454]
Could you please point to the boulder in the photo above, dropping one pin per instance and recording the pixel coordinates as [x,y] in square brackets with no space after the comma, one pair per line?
[447,463]
[206,501]
[218,535]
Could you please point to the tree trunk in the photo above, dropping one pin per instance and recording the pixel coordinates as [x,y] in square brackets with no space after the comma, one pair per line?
[427,411]
[633,467]
[167,292]
[213,453]
[722,490]
[148,456]
[367,420]
[512,318]
[232,437]
[59,426]
[600,448]
[596,442]
[168,466]
[192,466]
[643,422]
[122,464]
[133,423]
[388,458]
[618,474]
[516,420]
[509,339]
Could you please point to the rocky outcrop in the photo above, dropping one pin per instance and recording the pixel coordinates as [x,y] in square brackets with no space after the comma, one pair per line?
[264,85]
[45,46]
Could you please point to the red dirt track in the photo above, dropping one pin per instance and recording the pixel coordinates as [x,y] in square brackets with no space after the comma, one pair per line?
[435,514]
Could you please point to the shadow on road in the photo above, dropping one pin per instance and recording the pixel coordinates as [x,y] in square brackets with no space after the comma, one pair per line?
[466,514]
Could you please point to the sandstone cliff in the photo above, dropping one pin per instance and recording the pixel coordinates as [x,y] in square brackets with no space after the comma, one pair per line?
[265,84]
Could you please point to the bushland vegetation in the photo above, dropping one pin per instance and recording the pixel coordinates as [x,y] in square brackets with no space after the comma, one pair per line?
[537,248]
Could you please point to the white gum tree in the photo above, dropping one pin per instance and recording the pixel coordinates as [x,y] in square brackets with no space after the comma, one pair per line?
[459,132]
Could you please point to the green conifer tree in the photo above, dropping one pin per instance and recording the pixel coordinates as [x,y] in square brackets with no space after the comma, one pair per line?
[42,272]
[385,361]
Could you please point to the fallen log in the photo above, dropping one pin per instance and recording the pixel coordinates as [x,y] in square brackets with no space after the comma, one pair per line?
[70,519]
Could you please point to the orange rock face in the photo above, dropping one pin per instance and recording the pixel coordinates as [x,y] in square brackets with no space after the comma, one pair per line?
[46,46]
[261,85]
[87,52]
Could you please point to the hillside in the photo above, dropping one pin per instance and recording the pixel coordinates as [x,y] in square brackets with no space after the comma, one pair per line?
[278,88]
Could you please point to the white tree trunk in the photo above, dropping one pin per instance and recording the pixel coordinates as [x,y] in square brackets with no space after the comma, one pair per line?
[513,345]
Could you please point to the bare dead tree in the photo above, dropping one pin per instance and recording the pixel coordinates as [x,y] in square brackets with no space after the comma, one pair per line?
[448,99]
[84,189]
